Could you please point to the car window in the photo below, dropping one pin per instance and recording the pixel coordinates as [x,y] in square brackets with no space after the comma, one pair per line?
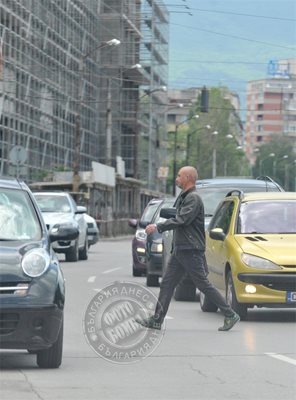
[157,218]
[18,219]
[267,217]
[149,212]
[53,203]
[211,196]
[223,216]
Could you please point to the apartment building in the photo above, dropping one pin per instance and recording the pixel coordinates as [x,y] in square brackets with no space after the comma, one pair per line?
[271,107]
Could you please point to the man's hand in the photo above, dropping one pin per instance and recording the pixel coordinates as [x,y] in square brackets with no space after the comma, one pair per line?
[150,228]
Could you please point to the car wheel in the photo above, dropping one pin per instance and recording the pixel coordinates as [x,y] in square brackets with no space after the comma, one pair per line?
[52,357]
[185,291]
[73,253]
[83,254]
[206,304]
[136,272]
[152,280]
[239,308]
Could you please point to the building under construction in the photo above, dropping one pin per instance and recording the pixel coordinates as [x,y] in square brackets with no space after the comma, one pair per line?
[71,94]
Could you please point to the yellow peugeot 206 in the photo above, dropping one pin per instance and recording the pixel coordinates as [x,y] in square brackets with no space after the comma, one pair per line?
[251,251]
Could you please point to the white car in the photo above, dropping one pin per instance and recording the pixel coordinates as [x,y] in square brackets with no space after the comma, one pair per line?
[59,208]
[93,231]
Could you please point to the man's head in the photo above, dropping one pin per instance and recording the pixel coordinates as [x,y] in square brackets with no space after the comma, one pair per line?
[186,178]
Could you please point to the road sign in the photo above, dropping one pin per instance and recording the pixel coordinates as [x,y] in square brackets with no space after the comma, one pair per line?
[18,155]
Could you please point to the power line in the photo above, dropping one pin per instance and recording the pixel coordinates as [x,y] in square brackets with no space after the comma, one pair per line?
[233,36]
[243,14]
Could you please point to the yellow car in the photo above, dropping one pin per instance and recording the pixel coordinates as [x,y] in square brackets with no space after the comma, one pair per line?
[251,251]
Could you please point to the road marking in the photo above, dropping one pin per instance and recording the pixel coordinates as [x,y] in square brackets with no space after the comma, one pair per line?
[108,271]
[168,317]
[282,358]
[91,279]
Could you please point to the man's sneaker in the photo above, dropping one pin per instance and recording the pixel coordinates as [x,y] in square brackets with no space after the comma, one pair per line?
[149,323]
[229,322]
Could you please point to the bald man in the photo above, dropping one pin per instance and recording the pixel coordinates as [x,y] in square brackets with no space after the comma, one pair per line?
[188,253]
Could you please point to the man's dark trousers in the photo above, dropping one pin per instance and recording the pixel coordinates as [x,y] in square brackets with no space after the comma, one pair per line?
[193,263]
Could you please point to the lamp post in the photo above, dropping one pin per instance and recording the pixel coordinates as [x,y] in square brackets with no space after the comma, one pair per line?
[214,162]
[275,162]
[109,119]
[150,129]
[175,150]
[229,137]
[189,140]
[76,160]
[262,161]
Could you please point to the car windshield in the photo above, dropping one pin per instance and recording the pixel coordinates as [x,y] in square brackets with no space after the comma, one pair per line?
[18,219]
[267,217]
[211,196]
[53,203]
[149,212]
[165,204]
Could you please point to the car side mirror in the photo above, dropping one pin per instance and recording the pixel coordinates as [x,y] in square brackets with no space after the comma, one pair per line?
[217,234]
[133,223]
[63,232]
[168,212]
[80,210]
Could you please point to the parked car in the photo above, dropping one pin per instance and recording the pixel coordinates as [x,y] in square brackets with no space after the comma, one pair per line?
[93,232]
[154,247]
[32,287]
[139,240]
[60,207]
[212,191]
[251,251]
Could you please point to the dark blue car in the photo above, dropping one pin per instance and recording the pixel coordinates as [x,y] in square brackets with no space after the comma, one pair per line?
[32,289]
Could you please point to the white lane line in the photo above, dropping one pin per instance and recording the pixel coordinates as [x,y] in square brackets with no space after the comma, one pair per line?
[108,271]
[282,358]
[91,279]
[168,317]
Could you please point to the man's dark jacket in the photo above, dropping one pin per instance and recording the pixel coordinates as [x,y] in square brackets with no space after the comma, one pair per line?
[188,225]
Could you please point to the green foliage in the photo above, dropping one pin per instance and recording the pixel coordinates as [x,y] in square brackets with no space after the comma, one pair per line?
[196,143]
[281,166]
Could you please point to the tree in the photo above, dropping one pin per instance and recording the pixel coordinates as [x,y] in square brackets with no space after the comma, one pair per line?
[281,166]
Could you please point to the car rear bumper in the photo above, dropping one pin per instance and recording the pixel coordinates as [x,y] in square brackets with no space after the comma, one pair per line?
[31,328]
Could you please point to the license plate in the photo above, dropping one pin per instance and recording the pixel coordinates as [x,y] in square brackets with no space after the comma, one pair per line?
[291,297]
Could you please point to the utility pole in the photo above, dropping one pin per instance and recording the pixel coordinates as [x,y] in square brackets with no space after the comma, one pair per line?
[76,160]
[109,125]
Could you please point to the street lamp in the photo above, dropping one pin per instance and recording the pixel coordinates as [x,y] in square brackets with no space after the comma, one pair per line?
[148,92]
[76,160]
[189,139]
[175,149]
[262,161]
[274,164]
[214,162]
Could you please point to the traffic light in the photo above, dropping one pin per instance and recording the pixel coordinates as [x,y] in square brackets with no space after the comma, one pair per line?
[204,104]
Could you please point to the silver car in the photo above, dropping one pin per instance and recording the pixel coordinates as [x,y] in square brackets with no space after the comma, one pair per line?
[59,208]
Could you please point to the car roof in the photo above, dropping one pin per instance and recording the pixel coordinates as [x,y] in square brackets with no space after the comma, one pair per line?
[238,182]
[13,183]
[269,196]
[61,193]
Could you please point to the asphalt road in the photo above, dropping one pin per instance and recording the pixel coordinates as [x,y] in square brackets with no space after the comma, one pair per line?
[255,361]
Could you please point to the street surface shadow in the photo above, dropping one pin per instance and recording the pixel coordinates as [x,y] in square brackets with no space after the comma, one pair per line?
[271,315]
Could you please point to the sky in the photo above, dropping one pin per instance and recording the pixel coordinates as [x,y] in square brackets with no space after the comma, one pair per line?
[228,42]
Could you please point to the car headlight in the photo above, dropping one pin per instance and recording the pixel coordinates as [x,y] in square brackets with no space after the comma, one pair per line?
[258,262]
[141,234]
[35,262]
